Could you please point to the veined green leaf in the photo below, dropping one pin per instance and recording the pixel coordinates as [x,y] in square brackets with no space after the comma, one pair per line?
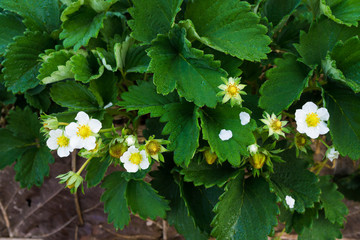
[228,26]
[38,97]
[226,117]
[276,10]
[29,131]
[344,12]
[10,27]
[85,67]
[105,89]
[176,64]
[96,170]
[21,65]
[284,85]
[152,17]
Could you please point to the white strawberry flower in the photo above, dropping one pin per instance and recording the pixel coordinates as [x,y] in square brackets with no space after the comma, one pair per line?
[134,159]
[244,118]
[253,148]
[225,135]
[130,140]
[59,141]
[332,154]
[82,133]
[290,201]
[310,120]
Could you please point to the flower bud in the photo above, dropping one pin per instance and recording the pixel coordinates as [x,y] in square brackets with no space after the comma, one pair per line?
[300,140]
[118,149]
[210,156]
[153,147]
[258,160]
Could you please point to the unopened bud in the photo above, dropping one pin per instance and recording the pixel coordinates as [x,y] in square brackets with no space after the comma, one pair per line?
[258,160]
[153,147]
[210,156]
[118,150]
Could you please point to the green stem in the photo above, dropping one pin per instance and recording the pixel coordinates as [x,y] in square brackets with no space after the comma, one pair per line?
[292,116]
[63,124]
[83,166]
[30,144]
[324,143]
[109,129]
[321,166]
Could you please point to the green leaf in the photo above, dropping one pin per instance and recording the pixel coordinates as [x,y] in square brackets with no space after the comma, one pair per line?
[5,96]
[284,85]
[137,60]
[80,24]
[9,157]
[292,178]
[8,141]
[178,214]
[200,202]
[321,38]
[96,170]
[10,26]
[145,99]
[38,97]
[347,58]
[176,65]
[145,201]
[344,122]
[331,200]
[322,229]
[33,166]
[229,63]
[183,127]
[228,26]
[73,95]
[344,12]
[38,15]
[277,10]
[201,173]
[247,210]
[105,88]
[55,66]
[85,67]
[226,117]
[152,17]
[21,63]
[114,198]
[24,124]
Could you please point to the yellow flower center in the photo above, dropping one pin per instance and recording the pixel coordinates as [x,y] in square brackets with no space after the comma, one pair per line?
[312,119]
[276,125]
[153,147]
[84,131]
[232,90]
[63,141]
[135,158]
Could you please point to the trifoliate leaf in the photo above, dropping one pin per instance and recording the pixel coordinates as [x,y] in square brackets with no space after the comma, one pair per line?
[21,63]
[38,15]
[226,117]
[137,60]
[38,97]
[178,214]
[73,95]
[347,59]
[145,99]
[242,214]
[331,200]
[293,179]
[284,85]
[55,66]
[228,26]
[200,203]
[80,24]
[176,64]
[277,10]
[183,127]
[105,89]
[344,122]
[85,67]
[321,229]
[145,201]
[96,170]
[152,17]
[33,166]
[29,131]
[114,198]
[10,27]
[344,12]
[202,173]
[321,38]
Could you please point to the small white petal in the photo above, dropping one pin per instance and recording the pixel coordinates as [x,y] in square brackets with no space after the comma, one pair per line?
[332,154]
[125,157]
[301,127]
[133,149]
[52,143]
[244,118]
[130,167]
[300,115]
[82,118]
[145,163]
[110,104]
[130,140]
[323,129]
[310,107]
[226,98]
[323,114]
[89,143]
[95,125]
[290,201]
[253,148]
[225,135]
[223,87]
[76,142]
[71,129]
[56,133]
[312,132]
[63,152]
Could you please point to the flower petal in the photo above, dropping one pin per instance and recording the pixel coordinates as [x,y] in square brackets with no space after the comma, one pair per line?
[226,98]
[56,133]
[89,143]
[76,142]
[130,167]
[95,125]
[222,87]
[323,129]
[225,135]
[144,163]
[300,115]
[244,118]
[309,107]
[323,114]
[82,118]
[63,152]
[313,132]
[71,129]
[301,127]
[52,143]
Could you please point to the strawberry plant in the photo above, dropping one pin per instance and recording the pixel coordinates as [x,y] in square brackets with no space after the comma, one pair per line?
[233,95]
